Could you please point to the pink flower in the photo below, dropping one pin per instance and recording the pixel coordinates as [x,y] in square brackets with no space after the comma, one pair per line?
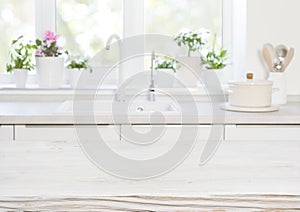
[50,36]
[39,53]
[49,46]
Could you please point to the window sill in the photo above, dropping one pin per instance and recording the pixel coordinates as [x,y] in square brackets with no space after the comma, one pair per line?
[8,92]
[33,89]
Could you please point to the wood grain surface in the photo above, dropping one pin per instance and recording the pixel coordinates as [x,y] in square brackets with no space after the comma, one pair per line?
[242,176]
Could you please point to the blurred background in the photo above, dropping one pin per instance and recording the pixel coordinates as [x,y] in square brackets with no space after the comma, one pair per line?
[86,24]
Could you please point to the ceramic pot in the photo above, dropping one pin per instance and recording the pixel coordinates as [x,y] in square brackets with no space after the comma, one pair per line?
[250,93]
[166,78]
[189,71]
[20,76]
[279,83]
[78,77]
[49,71]
[215,76]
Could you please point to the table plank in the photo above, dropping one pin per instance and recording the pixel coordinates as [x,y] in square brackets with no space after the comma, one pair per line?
[248,175]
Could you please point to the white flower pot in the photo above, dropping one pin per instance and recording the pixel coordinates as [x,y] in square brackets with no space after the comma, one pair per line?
[189,71]
[78,77]
[20,76]
[49,71]
[214,76]
[166,78]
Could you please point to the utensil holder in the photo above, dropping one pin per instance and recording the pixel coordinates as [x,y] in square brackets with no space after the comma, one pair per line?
[279,82]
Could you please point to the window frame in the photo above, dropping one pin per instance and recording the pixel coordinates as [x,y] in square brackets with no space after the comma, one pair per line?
[45,16]
[234,27]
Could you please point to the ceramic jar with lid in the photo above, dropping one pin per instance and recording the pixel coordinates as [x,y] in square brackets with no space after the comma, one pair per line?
[250,93]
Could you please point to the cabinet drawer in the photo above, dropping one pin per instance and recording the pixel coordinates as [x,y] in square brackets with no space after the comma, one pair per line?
[6,132]
[60,132]
[165,132]
[262,132]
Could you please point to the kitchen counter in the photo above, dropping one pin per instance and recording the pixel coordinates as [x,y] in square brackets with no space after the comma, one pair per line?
[48,113]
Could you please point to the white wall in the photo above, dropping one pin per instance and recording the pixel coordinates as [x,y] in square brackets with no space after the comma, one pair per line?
[274,21]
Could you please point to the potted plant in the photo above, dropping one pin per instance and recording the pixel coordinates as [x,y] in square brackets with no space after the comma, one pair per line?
[194,41]
[166,68]
[20,63]
[214,60]
[165,63]
[78,67]
[49,64]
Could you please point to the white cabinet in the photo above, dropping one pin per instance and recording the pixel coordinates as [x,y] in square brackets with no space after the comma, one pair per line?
[61,132]
[114,132]
[167,132]
[147,134]
[6,132]
[262,132]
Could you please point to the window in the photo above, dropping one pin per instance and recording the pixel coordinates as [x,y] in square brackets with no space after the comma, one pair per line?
[14,21]
[168,17]
[86,24]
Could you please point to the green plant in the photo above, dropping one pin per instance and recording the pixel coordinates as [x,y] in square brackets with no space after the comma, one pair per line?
[165,63]
[21,55]
[215,59]
[193,40]
[77,62]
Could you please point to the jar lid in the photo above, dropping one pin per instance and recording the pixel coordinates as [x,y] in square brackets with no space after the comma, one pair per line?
[251,82]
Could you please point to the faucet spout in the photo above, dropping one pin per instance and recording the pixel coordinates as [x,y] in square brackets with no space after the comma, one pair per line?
[110,39]
[120,95]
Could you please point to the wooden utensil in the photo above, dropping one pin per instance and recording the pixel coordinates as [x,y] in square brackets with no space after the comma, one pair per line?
[268,55]
[271,50]
[288,59]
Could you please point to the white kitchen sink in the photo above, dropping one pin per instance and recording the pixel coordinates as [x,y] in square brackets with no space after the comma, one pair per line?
[152,107]
[105,107]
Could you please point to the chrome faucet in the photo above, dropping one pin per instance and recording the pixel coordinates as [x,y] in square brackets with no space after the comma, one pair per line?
[151,90]
[120,96]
